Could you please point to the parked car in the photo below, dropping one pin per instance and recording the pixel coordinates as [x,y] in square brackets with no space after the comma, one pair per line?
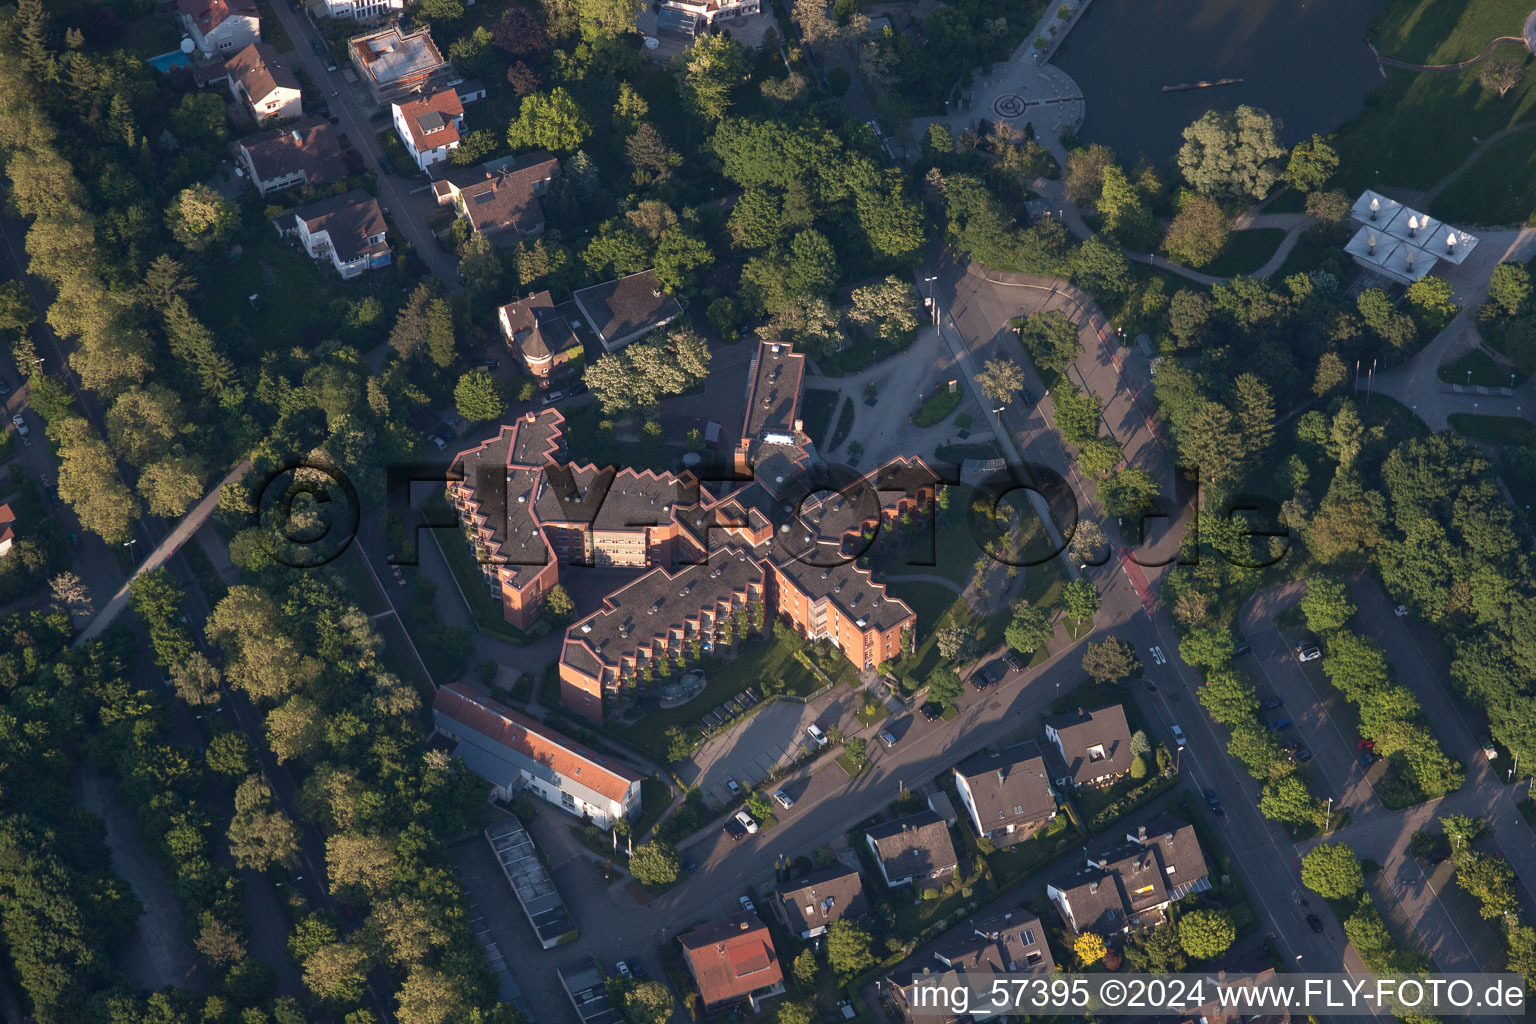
[1314,922]
[1015,661]
[1435,857]
[989,674]
[748,905]
[1400,610]
[690,865]
[1290,746]
[732,785]
[746,822]
[1367,759]
[1365,744]
[318,47]
[1270,703]
[733,828]
[552,398]
[1302,756]
[637,970]
[1308,652]
[932,711]
[1215,803]
[887,738]
[330,65]
[1027,396]
[1280,723]
[815,733]
[385,165]
[1489,750]
[21,425]
[576,387]
[437,441]
[785,800]
[622,968]
[1178,736]
[1243,647]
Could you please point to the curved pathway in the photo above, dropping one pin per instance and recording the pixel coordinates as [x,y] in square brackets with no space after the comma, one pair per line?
[1391,63]
[1473,157]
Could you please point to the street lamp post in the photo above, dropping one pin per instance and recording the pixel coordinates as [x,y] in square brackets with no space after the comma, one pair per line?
[933,299]
[1328,815]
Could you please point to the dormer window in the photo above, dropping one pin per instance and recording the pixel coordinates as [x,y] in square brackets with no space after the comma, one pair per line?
[1096,752]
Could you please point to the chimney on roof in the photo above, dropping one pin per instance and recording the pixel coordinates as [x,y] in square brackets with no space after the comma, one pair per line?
[745,926]
[1141,833]
[655,293]
[1081,713]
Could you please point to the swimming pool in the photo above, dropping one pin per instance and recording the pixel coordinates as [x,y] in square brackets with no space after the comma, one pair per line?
[167,61]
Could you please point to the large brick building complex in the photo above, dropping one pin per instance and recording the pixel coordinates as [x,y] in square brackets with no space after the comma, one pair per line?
[712,568]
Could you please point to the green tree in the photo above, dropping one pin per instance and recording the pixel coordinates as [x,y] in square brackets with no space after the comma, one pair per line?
[337,973]
[712,68]
[1100,456]
[1101,268]
[1110,660]
[957,642]
[1312,163]
[1509,287]
[648,1002]
[1288,800]
[885,309]
[1234,153]
[229,755]
[1227,696]
[200,218]
[558,602]
[260,835]
[1332,871]
[1367,932]
[805,969]
[1084,178]
[1326,604]
[478,397]
[848,951]
[943,685]
[1129,493]
[812,264]
[1029,630]
[1077,414]
[1206,934]
[1501,73]
[552,121]
[1208,647]
[599,19]
[1432,299]
[655,863]
[794,1013]
[1198,232]
[679,257]
[1001,380]
[1051,340]
[1080,599]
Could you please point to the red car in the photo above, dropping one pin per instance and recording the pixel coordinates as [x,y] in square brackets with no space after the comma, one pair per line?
[1365,744]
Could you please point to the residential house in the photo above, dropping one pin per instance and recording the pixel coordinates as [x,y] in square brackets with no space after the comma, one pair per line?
[470,90]
[358,10]
[1133,882]
[732,961]
[515,753]
[347,229]
[536,332]
[622,311]
[429,126]
[304,152]
[1095,745]
[1009,943]
[1006,795]
[914,850]
[692,17]
[500,199]
[264,84]
[221,26]
[396,65]
[1251,974]
[813,904]
[944,995]
[7,529]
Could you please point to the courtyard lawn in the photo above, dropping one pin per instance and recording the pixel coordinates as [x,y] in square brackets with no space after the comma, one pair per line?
[937,606]
[1483,369]
[1245,252]
[1499,189]
[1419,126]
[1438,32]
[483,608]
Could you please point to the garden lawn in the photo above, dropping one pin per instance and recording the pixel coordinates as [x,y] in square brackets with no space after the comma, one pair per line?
[1245,252]
[937,606]
[938,407]
[1507,430]
[1500,188]
[1482,367]
[1444,32]
[1419,127]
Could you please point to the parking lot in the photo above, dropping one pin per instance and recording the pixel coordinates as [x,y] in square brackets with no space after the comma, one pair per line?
[748,753]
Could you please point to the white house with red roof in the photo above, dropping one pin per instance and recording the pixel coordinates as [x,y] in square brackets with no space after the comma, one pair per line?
[221,26]
[429,126]
[513,752]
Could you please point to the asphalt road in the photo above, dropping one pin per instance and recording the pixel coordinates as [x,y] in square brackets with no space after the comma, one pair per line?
[354,116]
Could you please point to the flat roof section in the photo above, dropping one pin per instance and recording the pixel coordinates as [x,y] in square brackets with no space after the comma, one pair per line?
[534,888]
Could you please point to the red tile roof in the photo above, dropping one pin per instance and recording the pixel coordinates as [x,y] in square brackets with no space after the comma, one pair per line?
[7,517]
[210,14]
[731,958]
[535,740]
[432,120]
